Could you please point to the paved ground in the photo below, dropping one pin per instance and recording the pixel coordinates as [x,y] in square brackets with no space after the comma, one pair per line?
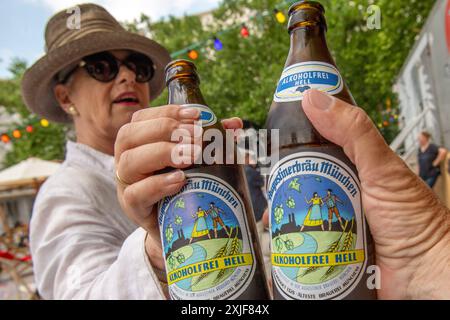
[9,290]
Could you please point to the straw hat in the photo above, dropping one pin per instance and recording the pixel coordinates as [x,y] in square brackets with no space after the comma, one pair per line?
[65,47]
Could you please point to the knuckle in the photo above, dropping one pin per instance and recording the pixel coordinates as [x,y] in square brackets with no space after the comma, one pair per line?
[123,134]
[162,162]
[361,120]
[173,110]
[166,158]
[130,197]
[170,125]
[165,126]
[138,115]
[124,159]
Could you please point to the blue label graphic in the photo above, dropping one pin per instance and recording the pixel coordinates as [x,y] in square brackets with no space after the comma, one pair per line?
[207,116]
[317,227]
[205,240]
[298,78]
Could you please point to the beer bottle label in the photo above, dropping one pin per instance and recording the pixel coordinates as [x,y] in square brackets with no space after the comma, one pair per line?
[299,77]
[317,227]
[206,241]
[207,116]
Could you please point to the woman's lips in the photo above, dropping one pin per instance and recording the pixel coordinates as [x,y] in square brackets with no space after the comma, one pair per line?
[127,103]
[127,99]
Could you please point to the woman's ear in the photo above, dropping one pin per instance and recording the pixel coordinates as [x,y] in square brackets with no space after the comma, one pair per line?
[61,92]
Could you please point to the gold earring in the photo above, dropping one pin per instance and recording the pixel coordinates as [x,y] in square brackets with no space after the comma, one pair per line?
[73,111]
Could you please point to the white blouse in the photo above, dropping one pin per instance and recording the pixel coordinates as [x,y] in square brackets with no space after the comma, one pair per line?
[83,245]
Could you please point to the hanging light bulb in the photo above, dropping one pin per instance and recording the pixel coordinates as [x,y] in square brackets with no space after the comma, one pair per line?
[281,18]
[385,123]
[17,134]
[192,54]
[29,129]
[217,44]
[5,138]
[388,103]
[244,31]
[44,123]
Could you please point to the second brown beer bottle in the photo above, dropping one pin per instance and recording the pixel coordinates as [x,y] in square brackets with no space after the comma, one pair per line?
[321,245]
[208,232]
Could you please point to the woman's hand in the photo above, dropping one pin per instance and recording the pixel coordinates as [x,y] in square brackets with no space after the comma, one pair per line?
[410,227]
[143,148]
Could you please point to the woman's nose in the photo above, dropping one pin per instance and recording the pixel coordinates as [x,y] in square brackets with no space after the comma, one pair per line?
[126,75]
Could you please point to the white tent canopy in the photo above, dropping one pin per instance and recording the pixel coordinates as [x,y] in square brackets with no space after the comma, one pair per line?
[27,171]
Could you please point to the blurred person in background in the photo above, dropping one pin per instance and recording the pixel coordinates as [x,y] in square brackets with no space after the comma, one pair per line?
[430,158]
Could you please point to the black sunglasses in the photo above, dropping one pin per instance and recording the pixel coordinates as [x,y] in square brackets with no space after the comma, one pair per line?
[104,67]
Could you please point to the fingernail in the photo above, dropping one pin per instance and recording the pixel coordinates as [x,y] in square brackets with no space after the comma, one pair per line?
[189,113]
[319,99]
[175,177]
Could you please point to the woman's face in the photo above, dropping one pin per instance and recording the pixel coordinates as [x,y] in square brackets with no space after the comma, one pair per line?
[423,140]
[101,111]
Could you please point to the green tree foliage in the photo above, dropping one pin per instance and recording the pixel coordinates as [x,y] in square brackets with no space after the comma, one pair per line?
[240,79]
[45,143]
[370,60]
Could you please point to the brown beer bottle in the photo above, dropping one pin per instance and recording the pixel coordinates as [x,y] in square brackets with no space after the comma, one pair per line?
[208,231]
[321,244]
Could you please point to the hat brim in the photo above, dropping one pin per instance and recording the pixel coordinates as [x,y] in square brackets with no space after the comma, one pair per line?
[39,80]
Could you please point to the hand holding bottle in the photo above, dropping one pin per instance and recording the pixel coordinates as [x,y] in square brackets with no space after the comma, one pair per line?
[410,227]
[142,148]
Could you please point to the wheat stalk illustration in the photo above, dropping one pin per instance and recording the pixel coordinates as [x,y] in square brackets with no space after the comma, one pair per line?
[332,248]
[347,244]
[348,241]
[219,254]
[235,248]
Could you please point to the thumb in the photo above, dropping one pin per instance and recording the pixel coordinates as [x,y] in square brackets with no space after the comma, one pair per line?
[349,127]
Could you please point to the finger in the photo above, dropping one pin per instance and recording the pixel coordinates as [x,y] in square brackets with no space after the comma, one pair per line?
[265,218]
[134,134]
[349,127]
[138,163]
[139,197]
[169,111]
[232,123]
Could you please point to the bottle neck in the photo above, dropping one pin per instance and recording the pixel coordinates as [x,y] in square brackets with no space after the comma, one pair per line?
[185,90]
[308,44]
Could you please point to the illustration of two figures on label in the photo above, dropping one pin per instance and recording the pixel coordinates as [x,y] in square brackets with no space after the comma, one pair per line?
[314,216]
[201,227]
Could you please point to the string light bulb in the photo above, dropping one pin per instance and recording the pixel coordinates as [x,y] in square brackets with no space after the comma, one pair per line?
[16,134]
[244,31]
[218,45]
[5,138]
[193,54]
[281,18]
[29,129]
[44,123]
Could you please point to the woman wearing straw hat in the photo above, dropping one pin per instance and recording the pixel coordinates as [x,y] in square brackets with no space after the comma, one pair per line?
[102,78]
